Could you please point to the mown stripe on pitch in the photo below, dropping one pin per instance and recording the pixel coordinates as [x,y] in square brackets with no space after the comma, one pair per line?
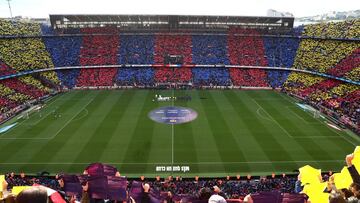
[25,129]
[205,143]
[141,139]
[99,139]
[53,146]
[226,144]
[30,147]
[244,135]
[331,147]
[312,148]
[86,131]
[16,149]
[125,126]
[271,147]
[161,141]
[185,149]
[320,129]
[308,148]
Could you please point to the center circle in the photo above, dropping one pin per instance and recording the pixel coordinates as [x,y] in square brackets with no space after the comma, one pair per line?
[172,115]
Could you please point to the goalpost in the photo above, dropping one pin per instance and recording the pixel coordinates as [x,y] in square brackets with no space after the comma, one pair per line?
[26,114]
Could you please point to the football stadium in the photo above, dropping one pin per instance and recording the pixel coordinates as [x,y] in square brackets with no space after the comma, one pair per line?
[179,108]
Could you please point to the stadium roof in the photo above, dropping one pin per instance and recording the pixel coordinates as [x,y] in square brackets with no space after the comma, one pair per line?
[170,22]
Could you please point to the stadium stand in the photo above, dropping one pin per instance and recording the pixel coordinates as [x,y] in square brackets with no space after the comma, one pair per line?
[310,185]
[98,50]
[280,52]
[5,69]
[65,52]
[209,49]
[178,75]
[173,45]
[345,67]
[8,98]
[331,54]
[135,77]
[247,51]
[25,53]
[19,86]
[211,77]
[136,49]
[176,189]
[335,57]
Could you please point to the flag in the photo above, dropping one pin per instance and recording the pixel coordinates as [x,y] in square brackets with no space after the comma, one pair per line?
[316,193]
[309,174]
[343,179]
[17,189]
[2,179]
[356,160]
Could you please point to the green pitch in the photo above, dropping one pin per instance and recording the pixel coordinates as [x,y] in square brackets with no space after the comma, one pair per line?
[236,132]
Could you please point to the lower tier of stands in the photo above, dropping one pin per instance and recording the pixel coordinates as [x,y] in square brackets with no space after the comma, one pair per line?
[151,76]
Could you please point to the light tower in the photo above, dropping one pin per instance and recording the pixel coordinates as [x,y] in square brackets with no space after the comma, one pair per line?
[9,8]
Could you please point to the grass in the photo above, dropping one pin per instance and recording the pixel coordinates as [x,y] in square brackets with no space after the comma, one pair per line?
[236,132]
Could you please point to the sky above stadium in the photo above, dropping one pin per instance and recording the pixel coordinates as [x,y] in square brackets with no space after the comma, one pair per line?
[300,8]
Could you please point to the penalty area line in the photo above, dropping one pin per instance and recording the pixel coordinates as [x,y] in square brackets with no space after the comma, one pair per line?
[52,137]
[286,132]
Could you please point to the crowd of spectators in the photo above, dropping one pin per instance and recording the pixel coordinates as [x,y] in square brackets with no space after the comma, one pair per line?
[25,53]
[98,50]
[343,30]
[169,189]
[348,67]
[248,77]
[317,89]
[10,98]
[354,75]
[247,51]
[135,77]
[334,57]
[136,49]
[5,69]
[209,49]
[322,55]
[102,183]
[173,45]
[176,75]
[23,88]
[22,54]
[65,52]
[69,77]
[18,28]
[329,93]
[280,52]
[211,77]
